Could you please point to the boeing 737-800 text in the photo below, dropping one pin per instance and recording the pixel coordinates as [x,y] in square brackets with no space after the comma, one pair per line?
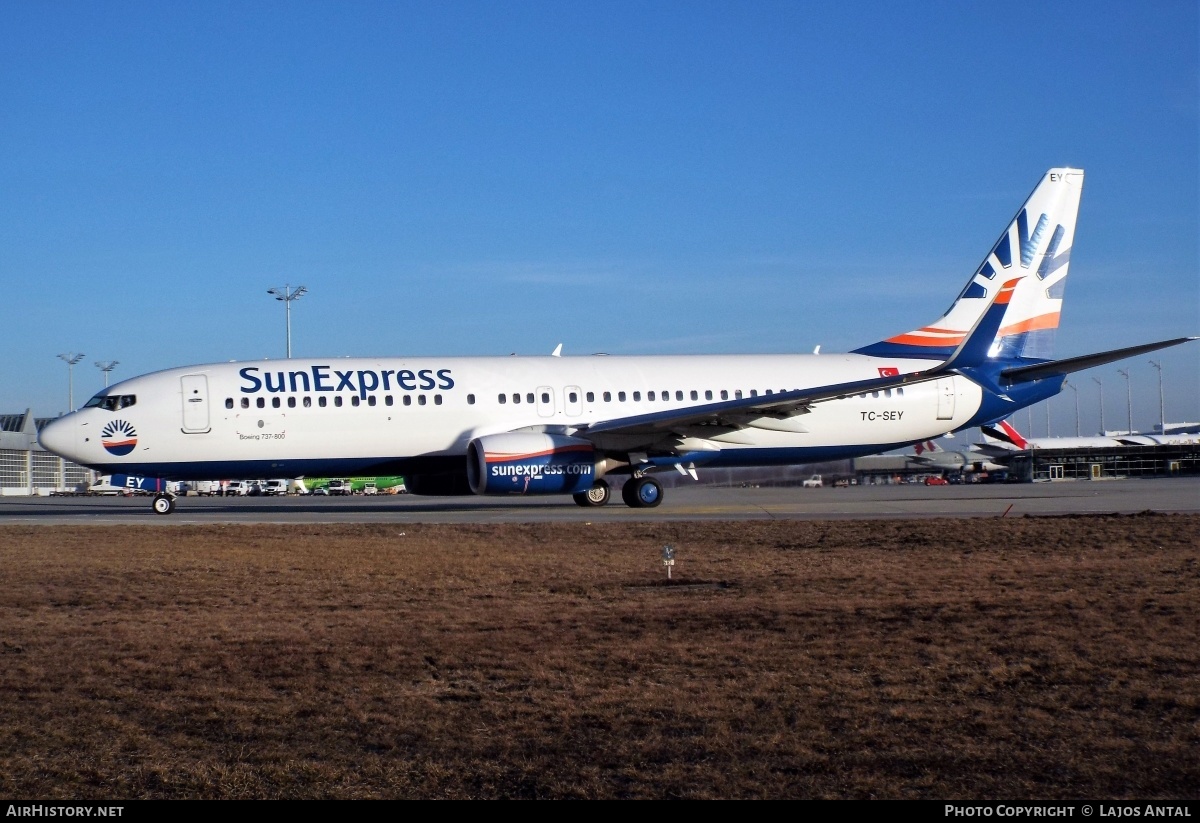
[561,425]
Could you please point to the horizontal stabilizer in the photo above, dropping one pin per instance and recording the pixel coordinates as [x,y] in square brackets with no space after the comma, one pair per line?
[1057,368]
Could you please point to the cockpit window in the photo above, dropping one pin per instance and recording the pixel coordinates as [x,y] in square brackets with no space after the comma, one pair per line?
[111,402]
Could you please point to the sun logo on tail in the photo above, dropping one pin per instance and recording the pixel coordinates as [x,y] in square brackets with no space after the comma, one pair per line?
[118,437]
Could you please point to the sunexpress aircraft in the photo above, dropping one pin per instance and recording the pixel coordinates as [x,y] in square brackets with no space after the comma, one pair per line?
[562,425]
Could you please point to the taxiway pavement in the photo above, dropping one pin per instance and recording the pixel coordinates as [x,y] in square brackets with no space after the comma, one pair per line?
[1127,496]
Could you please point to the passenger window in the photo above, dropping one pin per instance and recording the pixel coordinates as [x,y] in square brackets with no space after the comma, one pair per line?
[529,397]
[708,394]
[754,392]
[650,395]
[408,399]
[573,397]
[770,391]
[621,396]
[502,399]
[421,400]
[292,402]
[608,397]
[637,396]
[307,401]
[678,395]
[387,400]
[261,403]
[545,397]
[437,400]
[737,394]
[322,401]
[875,394]
[337,401]
[371,400]
[229,402]
[470,400]
[591,397]
[887,392]
[245,402]
[354,401]
[516,398]
[900,392]
[724,394]
[695,395]
[274,402]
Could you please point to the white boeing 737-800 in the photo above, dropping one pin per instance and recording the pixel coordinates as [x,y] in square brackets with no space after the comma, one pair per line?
[560,425]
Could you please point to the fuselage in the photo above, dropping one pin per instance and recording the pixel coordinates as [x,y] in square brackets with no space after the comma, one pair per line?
[362,416]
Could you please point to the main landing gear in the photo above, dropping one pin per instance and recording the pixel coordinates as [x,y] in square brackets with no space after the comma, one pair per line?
[642,493]
[597,495]
[638,493]
[163,503]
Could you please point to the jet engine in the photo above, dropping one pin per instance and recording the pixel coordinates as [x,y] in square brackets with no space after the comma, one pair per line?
[530,463]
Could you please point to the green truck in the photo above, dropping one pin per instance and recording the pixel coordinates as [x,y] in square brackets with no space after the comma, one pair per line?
[352,485]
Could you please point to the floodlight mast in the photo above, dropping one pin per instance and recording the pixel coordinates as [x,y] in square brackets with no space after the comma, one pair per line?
[71,359]
[1075,389]
[1128,399]
[287,295]
[1162,415]
[1101,385]
[106,366]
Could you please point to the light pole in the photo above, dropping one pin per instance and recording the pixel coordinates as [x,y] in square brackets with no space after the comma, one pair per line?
[1047,418]
[1101,385]
[1075,389]
[287,296]
[1162,415]
[70,359]
[1128,398]
[106,366]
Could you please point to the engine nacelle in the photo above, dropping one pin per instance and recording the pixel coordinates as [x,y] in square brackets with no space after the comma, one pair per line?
[529,463]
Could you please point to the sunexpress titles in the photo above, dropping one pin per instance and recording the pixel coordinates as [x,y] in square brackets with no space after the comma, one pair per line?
[330,379]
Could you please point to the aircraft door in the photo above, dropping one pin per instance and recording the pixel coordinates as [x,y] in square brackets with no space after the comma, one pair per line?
[573,401]
[195,403]
[945,393]
[545,401]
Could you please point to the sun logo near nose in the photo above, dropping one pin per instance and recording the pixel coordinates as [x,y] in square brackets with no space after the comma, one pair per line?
[118,437]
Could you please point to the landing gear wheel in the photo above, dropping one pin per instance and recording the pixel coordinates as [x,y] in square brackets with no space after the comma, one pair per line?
[642,493]
[163,504]
[597,495]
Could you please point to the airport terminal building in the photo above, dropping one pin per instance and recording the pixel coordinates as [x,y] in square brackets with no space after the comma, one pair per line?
[26,468]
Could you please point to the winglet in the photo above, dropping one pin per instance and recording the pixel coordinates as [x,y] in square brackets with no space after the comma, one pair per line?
[975,347]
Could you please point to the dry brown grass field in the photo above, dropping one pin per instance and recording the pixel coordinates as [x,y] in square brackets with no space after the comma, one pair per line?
[1005,659]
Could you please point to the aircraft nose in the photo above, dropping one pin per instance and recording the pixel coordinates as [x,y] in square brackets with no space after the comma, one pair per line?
[58,436]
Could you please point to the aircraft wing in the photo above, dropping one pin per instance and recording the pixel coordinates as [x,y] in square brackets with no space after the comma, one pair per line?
[650,430]
[737,414]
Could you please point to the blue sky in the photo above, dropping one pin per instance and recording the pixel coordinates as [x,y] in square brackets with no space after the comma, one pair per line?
[486,178]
